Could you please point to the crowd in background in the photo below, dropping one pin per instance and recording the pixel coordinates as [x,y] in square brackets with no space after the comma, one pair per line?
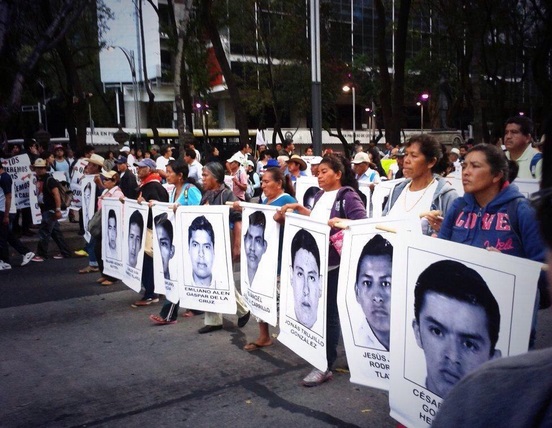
[266,175]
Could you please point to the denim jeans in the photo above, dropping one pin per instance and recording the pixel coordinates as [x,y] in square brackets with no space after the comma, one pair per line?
[89,248]
[333,327]
[7,237]
[50,228]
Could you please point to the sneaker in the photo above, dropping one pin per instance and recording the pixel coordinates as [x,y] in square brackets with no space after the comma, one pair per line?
[4,265]
[37,259]
[58,257]
[145,302]
[81,253]
[27,258]
[317,377]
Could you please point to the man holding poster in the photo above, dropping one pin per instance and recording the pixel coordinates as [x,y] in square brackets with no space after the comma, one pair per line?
[457,321]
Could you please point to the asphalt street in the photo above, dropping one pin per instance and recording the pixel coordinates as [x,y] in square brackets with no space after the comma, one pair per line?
[75,354]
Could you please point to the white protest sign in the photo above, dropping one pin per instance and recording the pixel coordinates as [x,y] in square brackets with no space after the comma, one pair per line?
[60,176]
[88,191]
[166,255]
[364,296]
[303,288]
[527,186]
[453,307]
[36,214]
[19,169]
[134,241]
[259,255]
[381,192]
[203,232]
[305,189]
[112,237]
[77,173]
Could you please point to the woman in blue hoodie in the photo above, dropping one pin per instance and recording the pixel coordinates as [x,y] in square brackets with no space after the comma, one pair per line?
[493,214]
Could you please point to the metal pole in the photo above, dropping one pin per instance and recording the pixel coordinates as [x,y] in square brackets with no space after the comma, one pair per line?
[315,77]
[91,122]
[117,106]
[354,115]
[422,116]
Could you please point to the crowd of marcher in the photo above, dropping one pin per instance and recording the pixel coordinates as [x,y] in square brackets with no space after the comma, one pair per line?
[269,176]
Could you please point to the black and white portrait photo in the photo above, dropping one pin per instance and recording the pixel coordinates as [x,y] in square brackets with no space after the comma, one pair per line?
[112,237]
[305,278]
[456,308]
[303,297]
[204,236]
[134,237]
[134,242]
[260,261]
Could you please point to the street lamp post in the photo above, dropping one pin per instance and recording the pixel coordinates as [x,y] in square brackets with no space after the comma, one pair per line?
[351,88]
[424,97]
[129,54]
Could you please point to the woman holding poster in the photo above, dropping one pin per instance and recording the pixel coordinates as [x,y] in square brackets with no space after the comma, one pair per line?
[110,180]
[277,191]
[337,200]
[492,213]
[184,193]
[424,190]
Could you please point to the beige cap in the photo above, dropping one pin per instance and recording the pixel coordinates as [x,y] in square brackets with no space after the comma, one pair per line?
[40,163]
[361,157]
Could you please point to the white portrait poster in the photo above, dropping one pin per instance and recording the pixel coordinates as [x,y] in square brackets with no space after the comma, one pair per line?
[259,255]
[527,186]
[380,195]
[203,233]
[366,189]
[60,176]
[303,283]
[166,255]
[364,297]
[36,214]
[134,241]
[472,306]
[88,192]
[305,189]
[19,169]
[77,173]
[112,237]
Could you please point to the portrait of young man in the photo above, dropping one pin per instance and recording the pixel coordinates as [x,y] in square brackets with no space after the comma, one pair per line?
[135,234]
[165,232]
[305,277]
[112,248]
[201,246]
[456,323]
[255,246]
[373,293]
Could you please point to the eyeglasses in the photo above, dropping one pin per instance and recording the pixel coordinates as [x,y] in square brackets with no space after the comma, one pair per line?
[107,179]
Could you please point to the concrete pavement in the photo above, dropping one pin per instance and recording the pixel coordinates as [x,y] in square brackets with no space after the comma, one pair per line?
[79,355]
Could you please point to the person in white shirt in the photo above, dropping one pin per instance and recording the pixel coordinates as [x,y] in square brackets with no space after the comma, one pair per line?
[517,139]
[163,160]
[194,167]
[363,172]
[127,152]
